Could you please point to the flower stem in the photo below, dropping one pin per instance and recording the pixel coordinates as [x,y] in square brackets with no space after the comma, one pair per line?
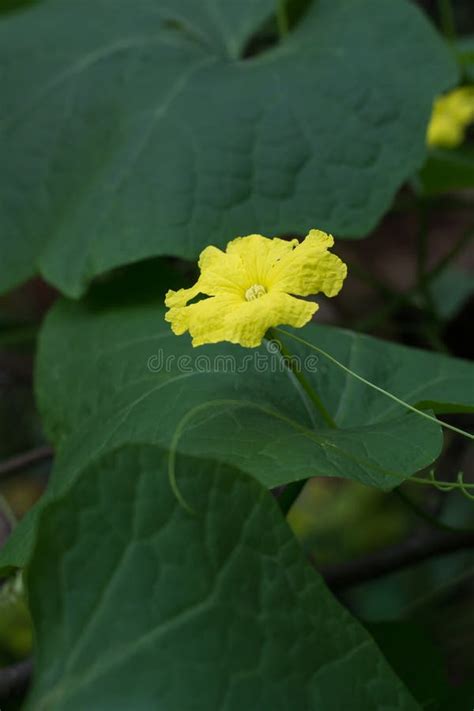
[282,18]
[310,392]
[446,15]
[388,394]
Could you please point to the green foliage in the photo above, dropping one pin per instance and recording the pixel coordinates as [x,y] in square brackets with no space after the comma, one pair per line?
[427,681]
[409,648]
[160,570]
[15,621]
[137,372]
[465,52]
[120,376]
[128,600]
[148,132]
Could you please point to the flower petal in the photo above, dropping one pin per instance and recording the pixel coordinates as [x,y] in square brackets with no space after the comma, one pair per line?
[258,255]
[250,288]
[205,320]
[221,273]
[444,132]
[249,322]
[310,268]
[452,114]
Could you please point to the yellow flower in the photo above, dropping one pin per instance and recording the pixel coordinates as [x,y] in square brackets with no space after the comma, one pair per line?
[252,287]
[451,116]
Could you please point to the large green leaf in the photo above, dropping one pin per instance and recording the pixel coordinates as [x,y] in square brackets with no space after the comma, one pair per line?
[409,647]
[107,377]
[138,604]
[110,377]
[132,129]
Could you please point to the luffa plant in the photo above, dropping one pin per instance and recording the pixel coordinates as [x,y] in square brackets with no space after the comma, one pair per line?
[188,411]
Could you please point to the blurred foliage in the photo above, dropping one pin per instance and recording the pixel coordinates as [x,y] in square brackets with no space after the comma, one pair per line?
[336,520]
[15,622]
[16,5]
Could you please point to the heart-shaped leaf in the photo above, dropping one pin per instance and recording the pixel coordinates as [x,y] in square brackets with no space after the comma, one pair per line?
[144,605]
[113,376]
[107,377]
[136,129]
[121,375]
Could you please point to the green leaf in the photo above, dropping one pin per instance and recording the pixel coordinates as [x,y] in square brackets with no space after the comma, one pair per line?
[110,377]
[130,130]
[410,649]
[448,170]
[141,604]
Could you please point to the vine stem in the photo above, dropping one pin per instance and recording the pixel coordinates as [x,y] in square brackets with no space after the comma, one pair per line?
[24,460]
[311,393]
[446,15]
[395,558]
[282,18]
[446,485]
[343,367]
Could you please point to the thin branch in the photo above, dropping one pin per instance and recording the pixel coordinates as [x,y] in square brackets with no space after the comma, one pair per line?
[395,558]
[21,461]
[300,376]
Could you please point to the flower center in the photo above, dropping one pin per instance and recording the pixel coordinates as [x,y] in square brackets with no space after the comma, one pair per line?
[255,292]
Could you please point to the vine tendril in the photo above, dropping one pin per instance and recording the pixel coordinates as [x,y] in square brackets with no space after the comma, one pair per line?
[393,397]
[446,486]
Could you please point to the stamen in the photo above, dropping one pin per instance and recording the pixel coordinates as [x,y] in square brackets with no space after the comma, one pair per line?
[255,292]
